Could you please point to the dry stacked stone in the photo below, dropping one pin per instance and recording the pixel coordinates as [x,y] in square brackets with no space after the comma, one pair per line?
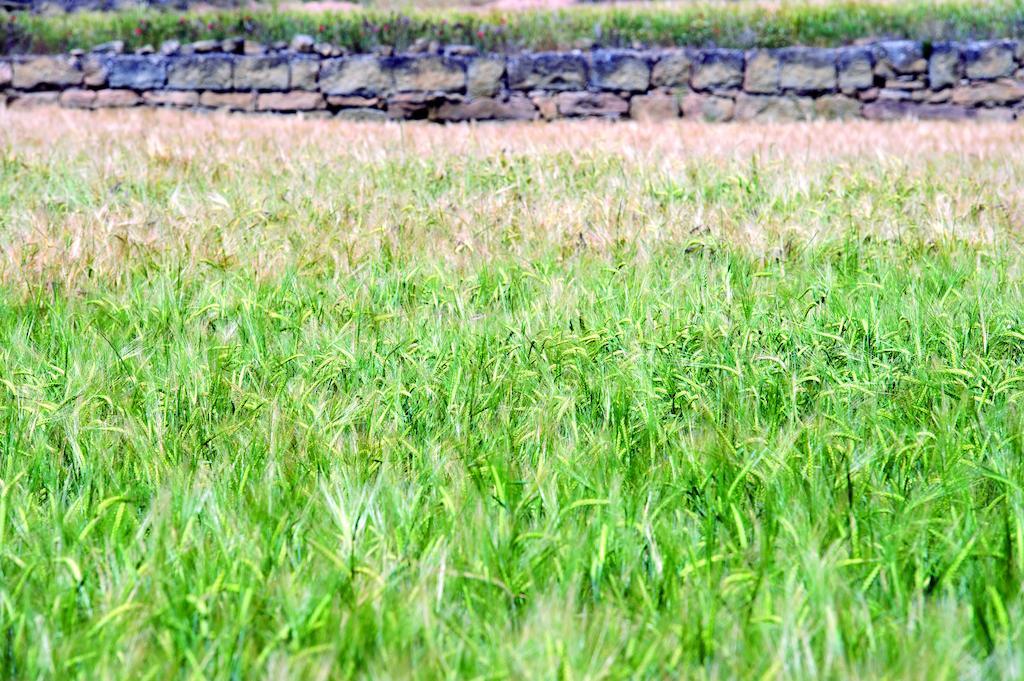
[885,80]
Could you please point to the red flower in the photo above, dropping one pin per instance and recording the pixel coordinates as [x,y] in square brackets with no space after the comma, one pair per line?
[480,33]
[138,30]
[321,28]
[181,21]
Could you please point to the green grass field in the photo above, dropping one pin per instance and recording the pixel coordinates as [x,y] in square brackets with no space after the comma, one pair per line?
[285,399]
[740,24]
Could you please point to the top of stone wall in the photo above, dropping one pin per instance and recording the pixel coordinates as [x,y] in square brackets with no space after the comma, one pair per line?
[58,6]
[300,44]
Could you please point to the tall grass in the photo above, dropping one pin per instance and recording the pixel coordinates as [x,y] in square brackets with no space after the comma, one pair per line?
[729,25]
[572,447]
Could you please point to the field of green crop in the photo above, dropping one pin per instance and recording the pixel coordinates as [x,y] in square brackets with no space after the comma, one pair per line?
[309,399]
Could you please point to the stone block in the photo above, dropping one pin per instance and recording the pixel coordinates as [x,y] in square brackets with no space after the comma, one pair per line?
[603,104]
[361,75]
[94,70]
[905,83]
[884,110]
[620,71]
[200,72]
[546,105]
[944,66]
[251,47]
[304,73]
[656,106]
[170,47]
[6,73]
[302,43]
[855,67]
[297,100]
[178,98]
[362,114]
[806,69]
[51,71]
[989,60]
[484,76]
[672,69]
[707,107]
[895,57]
[837,107]
[1002,91]
[547,71]
[894,95]
[76,98]
[409,105]
[428,74]
[717,69]
[352,101]
[230,101]
[268,72]
[773,108]
[31,100]
[205,46]
[761,75]
[111,47]
[137,73]
[516,107]
[116,99]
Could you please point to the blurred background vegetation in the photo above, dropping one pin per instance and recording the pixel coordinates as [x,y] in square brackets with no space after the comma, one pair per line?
[739,24]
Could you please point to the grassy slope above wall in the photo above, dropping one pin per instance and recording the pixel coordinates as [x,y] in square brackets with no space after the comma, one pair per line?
[730,26]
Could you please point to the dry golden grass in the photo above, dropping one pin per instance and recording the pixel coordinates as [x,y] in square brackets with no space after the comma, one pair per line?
[95,193]
[189,133]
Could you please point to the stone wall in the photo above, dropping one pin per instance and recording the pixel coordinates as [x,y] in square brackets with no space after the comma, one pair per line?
[884,80]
